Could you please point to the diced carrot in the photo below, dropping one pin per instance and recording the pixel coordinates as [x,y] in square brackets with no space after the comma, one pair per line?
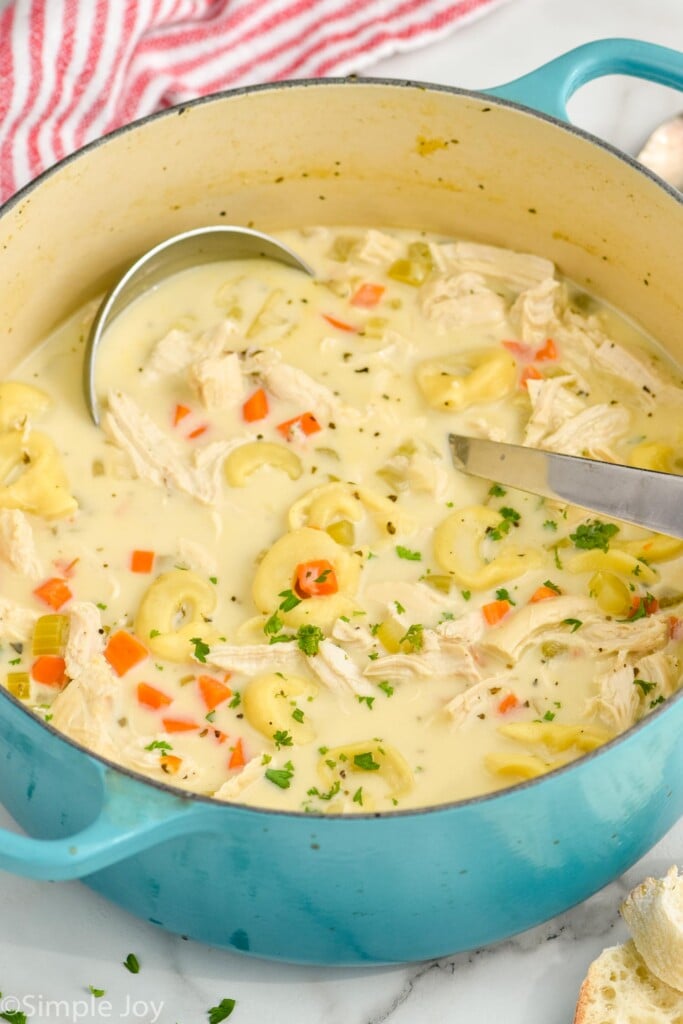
[181,411]
[256,406]
[495,611]
[368,295]
[151,697]
[123,652]
[305,424]
[54,592]
[549,351]
[529,373]
[543,593]
[508,703]
[213,691]
[141,561]
[315,579]
[198,431]
[519,349]
[170,763]
[237,759]
[50,670]
[178,725]
[648,604]
[339,324]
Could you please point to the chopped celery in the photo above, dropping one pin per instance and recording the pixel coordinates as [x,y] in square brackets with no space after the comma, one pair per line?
[19,685]
[407,272]
[668,600]
[50,634]
[342,248]
[390,634]
[551,648]
[374,327]
[342,532]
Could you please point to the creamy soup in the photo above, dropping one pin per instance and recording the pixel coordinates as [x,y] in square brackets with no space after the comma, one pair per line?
[262,579]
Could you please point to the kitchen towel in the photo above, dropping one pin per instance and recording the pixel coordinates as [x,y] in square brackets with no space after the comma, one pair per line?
[73,70]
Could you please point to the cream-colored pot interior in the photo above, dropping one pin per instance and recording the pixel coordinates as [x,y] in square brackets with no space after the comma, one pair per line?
[346,153]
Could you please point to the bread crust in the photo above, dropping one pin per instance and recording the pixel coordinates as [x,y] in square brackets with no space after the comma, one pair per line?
[653,912]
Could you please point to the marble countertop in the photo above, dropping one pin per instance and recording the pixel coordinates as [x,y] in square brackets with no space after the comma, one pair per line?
[58,939]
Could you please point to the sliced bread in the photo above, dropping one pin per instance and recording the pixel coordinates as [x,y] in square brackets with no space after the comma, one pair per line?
[654,915]
[619,989]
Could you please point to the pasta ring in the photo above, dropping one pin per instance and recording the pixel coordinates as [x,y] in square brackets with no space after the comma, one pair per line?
[267,702]
[173,610]
[245,460]
[42,487]
[457,541]
[468,378]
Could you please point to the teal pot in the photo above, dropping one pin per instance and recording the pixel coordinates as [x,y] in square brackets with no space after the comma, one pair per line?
[365,889]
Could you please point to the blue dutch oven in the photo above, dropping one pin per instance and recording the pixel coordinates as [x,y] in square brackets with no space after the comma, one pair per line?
[366,889]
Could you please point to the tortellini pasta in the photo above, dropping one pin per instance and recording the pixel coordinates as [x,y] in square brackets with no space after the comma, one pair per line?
[245,460]
[20,403]
[276,573]
[41,486]
[614,560]
[372,758]
[268,701]
[175,609]
[457,544]
[339,502]
[456,382]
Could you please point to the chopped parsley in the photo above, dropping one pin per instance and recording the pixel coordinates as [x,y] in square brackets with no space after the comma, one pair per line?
[496,491]
[413,637]
[158,745]
[211,715]
[96,992]
[15,661]
[236,700]
[281,776]
[132,964]
[221,1012]
[289,600]
[308,639]
[365,762]
[200,649]
[273,625]
[550,524]
[467,594]
[358,796]
[504,595]
[656,701]
[552,586]
[298,715]
[399,607]
[574,623]
[594,534]
[102,606]
[282,738]
[410,556]
[365,700]
[331,792]
[213,579]
[548,716]
[644,685]
[510,518]
[386,687]
[153,633]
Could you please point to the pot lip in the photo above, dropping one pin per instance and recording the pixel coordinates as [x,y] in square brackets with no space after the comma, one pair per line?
[346,82]
[349,82]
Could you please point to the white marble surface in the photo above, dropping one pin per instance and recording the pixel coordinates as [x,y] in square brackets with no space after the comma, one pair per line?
[57,939]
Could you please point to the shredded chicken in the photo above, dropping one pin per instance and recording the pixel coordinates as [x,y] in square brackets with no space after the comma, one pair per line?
[475,700]
[592,432]
[378,248]
[16,622]
[664,670]
[618,698]
[238,783]
[178,349]
[519,631]
[86,638]
[438,656]
[294,385]
[533,313]
[460,300]
[516,269]
[637,374]
[336,670]
[553,402]
[218,381]
[252,658]
[159,458]
[356,634]
[86,709]
[419,602]
[17,546]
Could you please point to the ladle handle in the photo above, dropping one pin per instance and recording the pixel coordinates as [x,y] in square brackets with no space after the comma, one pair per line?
[549,88]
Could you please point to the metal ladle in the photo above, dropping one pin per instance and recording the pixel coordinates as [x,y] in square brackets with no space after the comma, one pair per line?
[189,249]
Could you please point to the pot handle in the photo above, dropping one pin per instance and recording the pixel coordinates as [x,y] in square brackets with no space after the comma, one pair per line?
[131,818]
[548,88]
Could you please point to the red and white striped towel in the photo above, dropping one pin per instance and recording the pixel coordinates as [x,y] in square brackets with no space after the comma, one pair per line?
[72,70]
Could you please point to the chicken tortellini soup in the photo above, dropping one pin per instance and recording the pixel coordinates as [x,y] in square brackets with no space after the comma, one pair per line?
[262,580]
